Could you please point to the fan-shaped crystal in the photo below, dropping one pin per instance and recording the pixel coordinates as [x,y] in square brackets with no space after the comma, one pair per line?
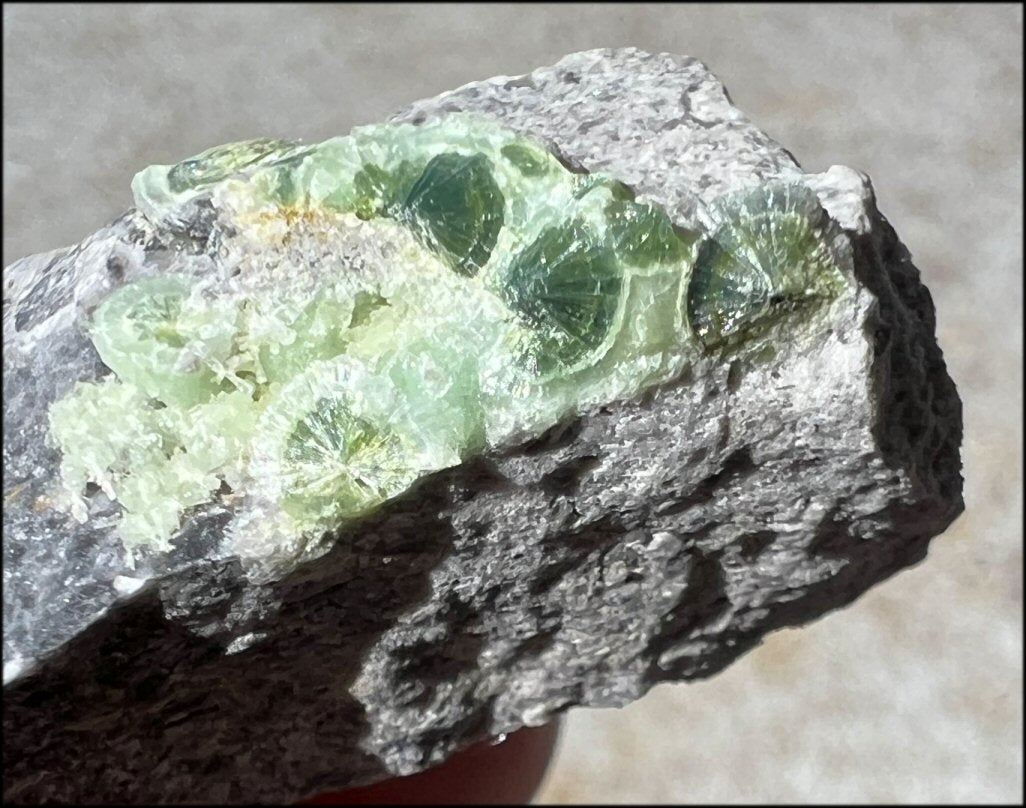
[773,250]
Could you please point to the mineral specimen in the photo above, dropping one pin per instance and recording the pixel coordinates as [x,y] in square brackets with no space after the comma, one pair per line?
[535,396]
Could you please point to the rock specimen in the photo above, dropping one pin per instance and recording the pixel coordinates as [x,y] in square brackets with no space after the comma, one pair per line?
[328,460]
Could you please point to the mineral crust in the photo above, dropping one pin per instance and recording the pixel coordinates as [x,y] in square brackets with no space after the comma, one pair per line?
[329,459]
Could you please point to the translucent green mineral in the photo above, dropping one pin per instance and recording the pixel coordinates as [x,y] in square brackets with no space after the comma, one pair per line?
[395,301]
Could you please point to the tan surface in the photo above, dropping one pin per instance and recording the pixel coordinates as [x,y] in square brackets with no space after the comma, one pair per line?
[911,694]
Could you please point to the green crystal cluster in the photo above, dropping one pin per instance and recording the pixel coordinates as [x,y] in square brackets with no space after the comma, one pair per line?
[395,301]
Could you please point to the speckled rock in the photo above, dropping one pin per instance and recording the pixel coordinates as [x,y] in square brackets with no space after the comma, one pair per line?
[648,540]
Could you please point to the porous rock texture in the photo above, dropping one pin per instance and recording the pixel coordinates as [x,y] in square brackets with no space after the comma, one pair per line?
[650,540]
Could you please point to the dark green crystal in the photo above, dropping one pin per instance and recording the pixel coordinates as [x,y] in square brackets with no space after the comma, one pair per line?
[766,258]
[456,208]
[568,286]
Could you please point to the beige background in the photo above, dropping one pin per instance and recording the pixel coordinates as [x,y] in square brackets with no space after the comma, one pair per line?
[913,693]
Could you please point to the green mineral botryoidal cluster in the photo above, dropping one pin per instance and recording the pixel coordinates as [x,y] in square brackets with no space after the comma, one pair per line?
[391,302]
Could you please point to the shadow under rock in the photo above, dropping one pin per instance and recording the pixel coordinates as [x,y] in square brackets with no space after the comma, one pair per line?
[189,722]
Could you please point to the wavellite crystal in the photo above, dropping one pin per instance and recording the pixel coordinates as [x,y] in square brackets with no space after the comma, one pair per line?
[473,291]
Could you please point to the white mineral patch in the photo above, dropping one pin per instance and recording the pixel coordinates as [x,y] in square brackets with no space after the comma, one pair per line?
[125,585]
[14,668]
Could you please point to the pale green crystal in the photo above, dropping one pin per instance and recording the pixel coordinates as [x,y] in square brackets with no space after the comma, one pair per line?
[398,300]
[171,345]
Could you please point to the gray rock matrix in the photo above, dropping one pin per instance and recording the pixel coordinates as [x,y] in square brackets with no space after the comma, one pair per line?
[651,540]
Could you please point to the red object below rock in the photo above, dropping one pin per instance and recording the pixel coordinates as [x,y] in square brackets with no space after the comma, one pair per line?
[483,774]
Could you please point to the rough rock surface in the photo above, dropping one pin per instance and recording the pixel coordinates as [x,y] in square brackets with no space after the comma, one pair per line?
[649,540]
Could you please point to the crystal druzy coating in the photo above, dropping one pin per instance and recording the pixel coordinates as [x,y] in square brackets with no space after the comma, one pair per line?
[395,301]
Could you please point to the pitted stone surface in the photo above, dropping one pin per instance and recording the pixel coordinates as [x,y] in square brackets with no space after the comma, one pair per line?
[648,540]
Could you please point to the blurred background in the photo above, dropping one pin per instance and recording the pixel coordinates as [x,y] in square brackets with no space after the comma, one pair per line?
[912,694]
